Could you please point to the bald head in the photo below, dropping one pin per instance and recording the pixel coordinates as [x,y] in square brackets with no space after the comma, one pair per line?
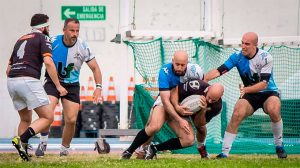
[251,37]
[179,61]
[249,44]
[215,92]
[181,56]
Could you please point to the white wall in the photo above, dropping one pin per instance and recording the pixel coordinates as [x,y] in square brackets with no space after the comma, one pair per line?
[267,17]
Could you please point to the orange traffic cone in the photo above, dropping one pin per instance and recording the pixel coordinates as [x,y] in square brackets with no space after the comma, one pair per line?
[111,91]
[130,90]
[82,94]
[57,116]
[90,89]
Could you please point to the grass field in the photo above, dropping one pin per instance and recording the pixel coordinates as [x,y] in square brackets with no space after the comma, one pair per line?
[164,160]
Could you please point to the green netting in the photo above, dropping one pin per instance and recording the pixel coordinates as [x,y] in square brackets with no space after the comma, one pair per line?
[255,134]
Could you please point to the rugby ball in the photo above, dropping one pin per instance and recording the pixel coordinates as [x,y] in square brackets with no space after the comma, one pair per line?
[192,103]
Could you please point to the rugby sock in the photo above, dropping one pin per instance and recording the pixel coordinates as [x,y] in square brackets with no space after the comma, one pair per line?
[227,142]
[27,134]
[63,148]
[277,132]
[199,144]
[139,140]
[44,137]
[171,144]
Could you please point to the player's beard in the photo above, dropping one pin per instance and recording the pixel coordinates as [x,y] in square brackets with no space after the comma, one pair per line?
[179,73]
[46,32]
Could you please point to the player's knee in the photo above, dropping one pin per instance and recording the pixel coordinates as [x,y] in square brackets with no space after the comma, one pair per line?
[26,119]
[151,129]
[237,115]
[187,141]
[70,121]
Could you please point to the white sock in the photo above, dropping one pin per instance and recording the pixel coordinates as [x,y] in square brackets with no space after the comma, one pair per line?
[44,139]
[63,148]
[199,144]
[277,132]
[227,142]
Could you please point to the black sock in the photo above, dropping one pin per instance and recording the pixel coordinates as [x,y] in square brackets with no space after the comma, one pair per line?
[171,144]
[139,140]
[27,134]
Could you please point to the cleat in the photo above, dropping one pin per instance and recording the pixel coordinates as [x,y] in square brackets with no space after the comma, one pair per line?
[221,156]
[64,152]
[18,145]
[125,155]
[140,153]
[202,151]
[40,151]
[281,153]
[150,152]
[27,147]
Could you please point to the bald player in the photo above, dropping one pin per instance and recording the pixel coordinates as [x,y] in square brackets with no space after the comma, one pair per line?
[259,91]
[211,105]
[170,75]
[210,98]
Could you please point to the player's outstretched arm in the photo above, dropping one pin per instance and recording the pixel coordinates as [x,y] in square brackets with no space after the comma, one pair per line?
[165,98]
[211,75]
[93,65]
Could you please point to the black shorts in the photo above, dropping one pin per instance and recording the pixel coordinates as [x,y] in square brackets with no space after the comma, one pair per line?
[72,88]
[257,100]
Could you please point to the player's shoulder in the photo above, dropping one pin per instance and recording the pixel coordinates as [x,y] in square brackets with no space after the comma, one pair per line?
[166,69]
[82,43]
[192,67]
[56,39]
[194,71]
[236,55]
[264,54]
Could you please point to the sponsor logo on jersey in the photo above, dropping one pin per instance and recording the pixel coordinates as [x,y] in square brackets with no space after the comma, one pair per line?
[166,70]
[64,72]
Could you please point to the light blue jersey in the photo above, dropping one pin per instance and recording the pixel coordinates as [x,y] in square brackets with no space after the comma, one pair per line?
[167,79]
[68,59]
[253,70]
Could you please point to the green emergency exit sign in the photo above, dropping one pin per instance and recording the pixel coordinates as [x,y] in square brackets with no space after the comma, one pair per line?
[83,12]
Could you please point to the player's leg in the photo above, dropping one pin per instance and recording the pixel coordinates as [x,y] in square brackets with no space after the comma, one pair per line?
[155,122]
[241,110]
[272,107]
[70,116]
[25,120]
[183,140]
[199,121]
[34,97]
[42,147]
[53,95]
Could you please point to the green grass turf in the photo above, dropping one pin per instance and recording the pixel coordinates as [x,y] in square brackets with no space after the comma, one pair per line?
[164,160]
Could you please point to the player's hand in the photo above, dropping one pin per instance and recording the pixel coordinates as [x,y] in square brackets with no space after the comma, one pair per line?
[203,102]
[183,111]
[62,91]
[242,90]
[183,124]
[97,96]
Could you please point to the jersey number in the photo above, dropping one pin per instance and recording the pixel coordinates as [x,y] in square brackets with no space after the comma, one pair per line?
[21,50]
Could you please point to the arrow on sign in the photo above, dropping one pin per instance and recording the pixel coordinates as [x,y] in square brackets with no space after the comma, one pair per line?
[68,12]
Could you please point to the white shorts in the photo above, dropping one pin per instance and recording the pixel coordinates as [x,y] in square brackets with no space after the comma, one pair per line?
[157,102]
[27,92]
